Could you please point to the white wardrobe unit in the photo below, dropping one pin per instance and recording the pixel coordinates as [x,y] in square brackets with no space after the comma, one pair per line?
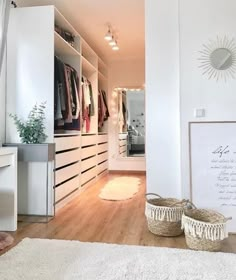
[81,157]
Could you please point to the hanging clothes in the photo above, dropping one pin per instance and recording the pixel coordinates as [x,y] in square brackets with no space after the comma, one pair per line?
[88,107]
[66,97]
[103,111]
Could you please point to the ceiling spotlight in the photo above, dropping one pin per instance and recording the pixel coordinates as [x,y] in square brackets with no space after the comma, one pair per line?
[115,48]
[112,42]
[108,36]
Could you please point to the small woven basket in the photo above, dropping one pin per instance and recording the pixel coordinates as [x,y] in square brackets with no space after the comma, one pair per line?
[204,229]
[164,215]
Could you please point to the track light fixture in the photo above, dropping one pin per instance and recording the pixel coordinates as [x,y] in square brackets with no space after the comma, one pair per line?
[109,36]
[112,42]
[115,48]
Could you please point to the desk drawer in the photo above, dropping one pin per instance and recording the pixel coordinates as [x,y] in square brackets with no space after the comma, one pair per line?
[5,160]
[102,148]
[101,167]
[88,152]
[67,143]
[102,157]
[66,173]
[88,175]
[66,188]
[88,163]
[89,140]
[65,158]
[102,138]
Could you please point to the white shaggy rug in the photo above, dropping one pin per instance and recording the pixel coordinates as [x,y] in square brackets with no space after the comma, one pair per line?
[120,188]
[43,259]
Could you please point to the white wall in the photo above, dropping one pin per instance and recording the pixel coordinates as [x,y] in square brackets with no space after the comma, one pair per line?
[124,74]
[2,101]
[200,21]
[175,86]
[162,97]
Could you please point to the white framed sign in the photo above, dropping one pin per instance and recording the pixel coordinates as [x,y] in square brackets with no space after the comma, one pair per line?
[212,150]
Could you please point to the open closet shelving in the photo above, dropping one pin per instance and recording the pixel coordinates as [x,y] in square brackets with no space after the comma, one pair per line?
[81,157]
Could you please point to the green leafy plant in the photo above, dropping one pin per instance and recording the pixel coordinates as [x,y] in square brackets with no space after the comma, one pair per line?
[31,131]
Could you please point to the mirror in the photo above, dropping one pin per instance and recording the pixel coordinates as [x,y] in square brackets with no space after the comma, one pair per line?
[218,58]
[131,122]
[221,59]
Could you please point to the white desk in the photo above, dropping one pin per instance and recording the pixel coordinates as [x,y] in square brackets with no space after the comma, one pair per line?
[8,189]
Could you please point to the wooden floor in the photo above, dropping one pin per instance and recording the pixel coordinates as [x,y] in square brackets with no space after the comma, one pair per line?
[88,218]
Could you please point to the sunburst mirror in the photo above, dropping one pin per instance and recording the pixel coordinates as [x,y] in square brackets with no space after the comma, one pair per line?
[218,59]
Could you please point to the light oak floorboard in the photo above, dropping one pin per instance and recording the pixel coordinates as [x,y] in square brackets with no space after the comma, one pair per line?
[88,218]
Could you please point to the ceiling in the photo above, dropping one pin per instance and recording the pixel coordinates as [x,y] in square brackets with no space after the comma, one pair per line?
[90,19]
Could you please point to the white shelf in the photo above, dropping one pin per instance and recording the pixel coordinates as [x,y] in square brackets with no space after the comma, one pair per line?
[63,23]
[87,67]
[101,76]
[62,47]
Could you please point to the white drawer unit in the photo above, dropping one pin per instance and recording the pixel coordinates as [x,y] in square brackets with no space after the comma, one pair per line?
[88,140]
[102,138]
[66,188]
[88,152]
[88,175]
[122,143]
[66,158]
[101,167]
[88,163]
[102,157]
[67,143]
[67,172]
[102,148]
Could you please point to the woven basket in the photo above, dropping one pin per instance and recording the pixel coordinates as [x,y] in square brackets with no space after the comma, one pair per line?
[164,215]
[204,229]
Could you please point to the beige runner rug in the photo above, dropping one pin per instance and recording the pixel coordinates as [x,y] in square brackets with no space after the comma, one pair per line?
[120,188]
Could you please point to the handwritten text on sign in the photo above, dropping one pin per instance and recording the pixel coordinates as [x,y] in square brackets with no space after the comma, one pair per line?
[223,166]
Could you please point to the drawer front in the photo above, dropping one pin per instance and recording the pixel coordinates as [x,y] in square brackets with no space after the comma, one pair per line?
[63,159]
[5,160]
[123,149]
[66,188]
[102,138]
[89,140]
[122,136]
[88,152]
[102,157]
[66,143]
[88,175]
[88,163]
[101,167]
[122,143]
[102,148]
[124,154]
[67,172]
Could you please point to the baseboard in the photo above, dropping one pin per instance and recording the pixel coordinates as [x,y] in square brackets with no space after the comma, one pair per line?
[140,172]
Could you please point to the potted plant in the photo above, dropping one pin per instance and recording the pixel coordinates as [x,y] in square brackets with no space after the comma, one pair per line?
[31,131]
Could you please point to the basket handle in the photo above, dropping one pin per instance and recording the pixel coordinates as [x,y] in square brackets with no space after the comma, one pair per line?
[193,205]
[154,194]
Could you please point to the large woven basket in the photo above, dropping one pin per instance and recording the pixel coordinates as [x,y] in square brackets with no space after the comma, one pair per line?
[204,229]
[164,215]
